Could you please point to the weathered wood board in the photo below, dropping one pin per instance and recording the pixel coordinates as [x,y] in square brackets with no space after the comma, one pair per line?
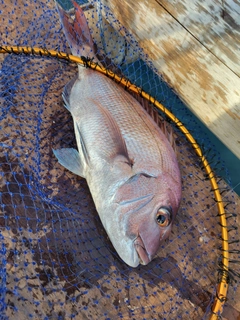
[216,24]
[195,45]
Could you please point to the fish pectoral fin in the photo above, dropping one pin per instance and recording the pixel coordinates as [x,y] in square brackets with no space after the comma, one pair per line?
[70,159]
[66,92]
[114,136]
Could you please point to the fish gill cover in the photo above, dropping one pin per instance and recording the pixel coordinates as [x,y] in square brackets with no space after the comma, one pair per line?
[56,261]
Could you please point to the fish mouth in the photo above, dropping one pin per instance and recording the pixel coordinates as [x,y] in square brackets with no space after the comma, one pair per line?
[144,257]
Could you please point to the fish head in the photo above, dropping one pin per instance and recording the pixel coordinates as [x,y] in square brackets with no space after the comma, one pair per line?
[145,210]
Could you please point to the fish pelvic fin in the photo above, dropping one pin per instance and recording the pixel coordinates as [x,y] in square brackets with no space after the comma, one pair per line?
[77,31]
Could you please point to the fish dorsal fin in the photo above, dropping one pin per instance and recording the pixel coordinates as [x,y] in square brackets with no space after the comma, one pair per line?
[114,135]
[165,127]
[168,131]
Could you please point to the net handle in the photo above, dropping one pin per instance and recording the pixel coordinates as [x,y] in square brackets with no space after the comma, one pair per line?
[221,291]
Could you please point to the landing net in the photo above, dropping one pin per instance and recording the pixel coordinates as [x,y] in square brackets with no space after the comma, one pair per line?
[56,261]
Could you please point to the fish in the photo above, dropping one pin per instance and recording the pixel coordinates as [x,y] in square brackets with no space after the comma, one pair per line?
[130,166]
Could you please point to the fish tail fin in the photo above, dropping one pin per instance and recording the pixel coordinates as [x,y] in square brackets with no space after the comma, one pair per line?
[77,31]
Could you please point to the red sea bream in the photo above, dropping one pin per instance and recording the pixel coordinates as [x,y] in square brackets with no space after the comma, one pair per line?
[128,162]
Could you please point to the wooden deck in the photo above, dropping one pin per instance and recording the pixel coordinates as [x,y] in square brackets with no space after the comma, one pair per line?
[195,45]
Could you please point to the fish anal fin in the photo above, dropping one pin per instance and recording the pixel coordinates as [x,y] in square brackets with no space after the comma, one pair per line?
[70,159]
[66,92]
[83,145]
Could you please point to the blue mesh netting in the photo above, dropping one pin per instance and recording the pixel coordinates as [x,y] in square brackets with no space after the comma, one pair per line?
[56,261]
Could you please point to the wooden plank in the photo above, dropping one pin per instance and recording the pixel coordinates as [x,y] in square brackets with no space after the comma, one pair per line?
[216,25]
[207,85]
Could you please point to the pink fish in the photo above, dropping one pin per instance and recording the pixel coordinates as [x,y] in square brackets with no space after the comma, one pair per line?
[128,162]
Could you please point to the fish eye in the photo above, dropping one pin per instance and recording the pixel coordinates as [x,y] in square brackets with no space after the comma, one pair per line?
[163,217]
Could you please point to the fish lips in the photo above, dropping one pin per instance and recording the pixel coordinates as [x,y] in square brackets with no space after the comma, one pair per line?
[143,254]
[144,257]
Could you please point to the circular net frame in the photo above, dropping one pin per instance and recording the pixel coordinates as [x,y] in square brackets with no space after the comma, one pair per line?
[56,261]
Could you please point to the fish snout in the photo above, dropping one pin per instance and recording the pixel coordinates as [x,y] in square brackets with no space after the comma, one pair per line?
[144,257]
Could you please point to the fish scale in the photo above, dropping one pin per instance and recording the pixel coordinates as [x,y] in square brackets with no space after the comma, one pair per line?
[137,128]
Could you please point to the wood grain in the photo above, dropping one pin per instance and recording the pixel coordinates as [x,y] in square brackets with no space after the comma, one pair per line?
[193,56]
[215,24]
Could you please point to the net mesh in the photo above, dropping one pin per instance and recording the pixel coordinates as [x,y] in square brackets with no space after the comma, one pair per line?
[56,261]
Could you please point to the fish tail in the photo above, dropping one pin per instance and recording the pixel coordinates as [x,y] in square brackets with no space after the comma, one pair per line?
[77,32]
